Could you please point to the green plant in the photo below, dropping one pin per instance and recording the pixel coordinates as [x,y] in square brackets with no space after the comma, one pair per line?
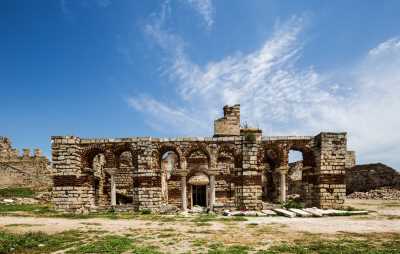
[17,192]
[249,136]
[145,211]
[293,203]
[35,242]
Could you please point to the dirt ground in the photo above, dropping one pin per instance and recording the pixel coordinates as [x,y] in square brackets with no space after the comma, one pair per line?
[179,236]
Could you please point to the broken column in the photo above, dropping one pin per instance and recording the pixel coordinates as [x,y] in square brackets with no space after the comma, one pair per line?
[183,193]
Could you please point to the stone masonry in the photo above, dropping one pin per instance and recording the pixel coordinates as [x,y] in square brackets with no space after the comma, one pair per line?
[237,168]
[27,170]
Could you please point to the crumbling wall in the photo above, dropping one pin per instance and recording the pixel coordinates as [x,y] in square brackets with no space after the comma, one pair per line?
[240,162]
[229,125]
[25,170]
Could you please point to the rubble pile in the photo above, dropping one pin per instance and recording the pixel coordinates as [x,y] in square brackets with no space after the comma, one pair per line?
[384,193]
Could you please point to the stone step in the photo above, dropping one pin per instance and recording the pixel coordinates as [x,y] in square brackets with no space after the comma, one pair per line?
[300,212]
[284,212]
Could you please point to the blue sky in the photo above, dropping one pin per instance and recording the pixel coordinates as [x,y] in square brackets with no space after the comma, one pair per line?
[107,68]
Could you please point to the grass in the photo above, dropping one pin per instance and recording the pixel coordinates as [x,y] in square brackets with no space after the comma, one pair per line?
[35,242]
[232,249]
[108,244]
[114,244]
[34,208]
[16,192]
[338,246]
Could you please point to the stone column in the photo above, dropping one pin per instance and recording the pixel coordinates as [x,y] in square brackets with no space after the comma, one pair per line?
[113,191]
[183,194]
[283,186]
[111,172]
[212,191]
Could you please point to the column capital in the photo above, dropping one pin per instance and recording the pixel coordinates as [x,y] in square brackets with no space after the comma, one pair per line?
[283,170]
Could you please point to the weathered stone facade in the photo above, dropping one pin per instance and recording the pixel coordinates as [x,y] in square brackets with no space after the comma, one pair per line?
[238,168]
[23,170]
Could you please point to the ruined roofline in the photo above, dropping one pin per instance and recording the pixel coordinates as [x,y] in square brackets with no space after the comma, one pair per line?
[181,139]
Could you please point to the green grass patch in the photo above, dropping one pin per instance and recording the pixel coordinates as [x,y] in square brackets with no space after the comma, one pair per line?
[108,244]
[233,249]
[34,208]
[340,246]
[36,242]
[16,192]
[114,244]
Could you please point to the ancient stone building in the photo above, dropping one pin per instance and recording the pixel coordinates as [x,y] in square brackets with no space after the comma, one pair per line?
[25,170]
[237,168]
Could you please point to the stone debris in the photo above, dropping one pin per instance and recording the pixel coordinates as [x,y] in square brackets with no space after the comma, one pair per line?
[168,209]
[8,200]
[314,211]
[284,212]
[300,212]
[268,212]
[384,193]
[198,209]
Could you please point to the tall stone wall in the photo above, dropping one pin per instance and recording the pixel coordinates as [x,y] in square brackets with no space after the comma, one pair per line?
[331,186]
[23,170]
[72,188]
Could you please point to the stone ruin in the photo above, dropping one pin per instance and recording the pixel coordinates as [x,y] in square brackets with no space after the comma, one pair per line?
[24,169]
[237,168]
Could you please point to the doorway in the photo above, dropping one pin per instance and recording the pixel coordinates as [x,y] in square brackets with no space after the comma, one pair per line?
[199,195]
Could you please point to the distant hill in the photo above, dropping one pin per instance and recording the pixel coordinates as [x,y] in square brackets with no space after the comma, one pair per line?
[362,178]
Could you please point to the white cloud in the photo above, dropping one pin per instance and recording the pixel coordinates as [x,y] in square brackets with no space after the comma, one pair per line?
[266,82]
[370,113]
[206,9]
[283,99]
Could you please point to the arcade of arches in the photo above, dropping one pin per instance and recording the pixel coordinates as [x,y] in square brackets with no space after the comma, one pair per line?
[237,168]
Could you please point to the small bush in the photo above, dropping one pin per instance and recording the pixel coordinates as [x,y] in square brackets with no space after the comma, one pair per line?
[16,192]
[145,211]
[292,203]
[249,136]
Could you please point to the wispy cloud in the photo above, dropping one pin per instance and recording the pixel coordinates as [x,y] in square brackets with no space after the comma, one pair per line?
[266,82]
[369,112]
[206,10]
[66,6]
[279,96]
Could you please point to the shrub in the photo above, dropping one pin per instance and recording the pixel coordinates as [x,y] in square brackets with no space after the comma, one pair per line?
[16,192]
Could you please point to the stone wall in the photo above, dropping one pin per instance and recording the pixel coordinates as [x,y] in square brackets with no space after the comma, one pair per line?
[229,125]
[239,167]
[331,186]
[23,170]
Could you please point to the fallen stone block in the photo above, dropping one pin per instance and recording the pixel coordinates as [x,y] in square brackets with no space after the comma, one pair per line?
[237,213]
[284,212]
[315,212]
[250,213]
[268,212]
[300,212]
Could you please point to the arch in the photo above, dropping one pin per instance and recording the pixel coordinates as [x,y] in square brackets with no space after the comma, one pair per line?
[229,149]
[307,153]
[164,148]
[122,148]
[89,153]
[199,148]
